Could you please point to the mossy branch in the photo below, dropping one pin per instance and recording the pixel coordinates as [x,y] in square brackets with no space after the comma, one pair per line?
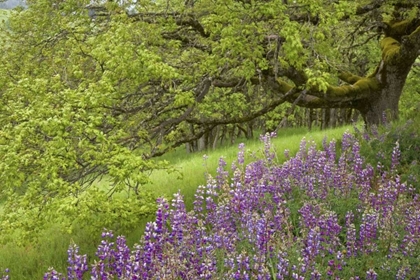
[349,77]
[402,41]
[359,90]
[414,39]
[390,50]
[335,96]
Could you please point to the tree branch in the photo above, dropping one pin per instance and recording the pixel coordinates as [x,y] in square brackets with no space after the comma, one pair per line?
[349,78]
[180,19]
[249,117]
[376,4]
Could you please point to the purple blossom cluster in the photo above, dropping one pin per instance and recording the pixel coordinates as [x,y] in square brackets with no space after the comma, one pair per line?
[308,218]
[5,275]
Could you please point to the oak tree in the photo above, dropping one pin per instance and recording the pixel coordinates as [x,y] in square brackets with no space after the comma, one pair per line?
[92,90]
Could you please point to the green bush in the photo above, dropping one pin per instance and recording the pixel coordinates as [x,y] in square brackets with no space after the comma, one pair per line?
[378,143]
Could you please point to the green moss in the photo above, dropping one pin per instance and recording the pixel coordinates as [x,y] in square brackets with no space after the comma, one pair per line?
[397,28]
[361,88]
[390,49]
[349,78]
[283,86]
[371,84]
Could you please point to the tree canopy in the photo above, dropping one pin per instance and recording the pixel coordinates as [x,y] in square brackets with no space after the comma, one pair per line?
[100,89]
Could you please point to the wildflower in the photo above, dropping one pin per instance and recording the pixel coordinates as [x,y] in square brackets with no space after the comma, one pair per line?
[371,274]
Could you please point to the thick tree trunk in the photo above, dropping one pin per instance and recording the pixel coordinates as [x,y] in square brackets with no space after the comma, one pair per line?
[376,96]
[382,106]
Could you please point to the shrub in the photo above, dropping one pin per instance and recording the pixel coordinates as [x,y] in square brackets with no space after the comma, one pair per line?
[378,143]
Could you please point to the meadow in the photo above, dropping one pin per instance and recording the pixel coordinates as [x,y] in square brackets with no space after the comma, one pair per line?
[31,262]
[193,168]
[296,206]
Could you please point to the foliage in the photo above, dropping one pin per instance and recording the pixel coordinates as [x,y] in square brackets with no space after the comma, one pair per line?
[377,145]
[94,93]
[59,134]
[32,260]
[410,101]
[276,221]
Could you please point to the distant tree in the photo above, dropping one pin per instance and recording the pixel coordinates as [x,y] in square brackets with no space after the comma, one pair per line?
[89,91]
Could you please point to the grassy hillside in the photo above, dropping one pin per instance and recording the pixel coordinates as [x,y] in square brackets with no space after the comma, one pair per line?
[290,207]
[31,262]
[193,168]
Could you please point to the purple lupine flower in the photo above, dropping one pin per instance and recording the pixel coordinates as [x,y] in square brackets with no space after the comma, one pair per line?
[309,214]
[253,209]
[240,267]
[375,133]
[266,139]
[368,232]
[315,275]
[371,274]
[283,266]
[330,230]
[241,154]
[53,275]
[287,154]
[335,265]
[402,272]
[351,240]
[312,244]
[177,218]
[5,275]
[395,158]
[264,231]
[366,136]
[357,159]
[105,252]
[387,195]
[384,118]
[302,149]
[364,180]
[346,141]
[211,194]
[199,200]
[122,258]
[222,175]
[77,263]
[259,269]
[155,237]
[331,267]
[331,153]
[411,241]
[296,276]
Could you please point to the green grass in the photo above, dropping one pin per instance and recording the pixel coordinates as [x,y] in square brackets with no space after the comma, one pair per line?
[31,262]
[193,167]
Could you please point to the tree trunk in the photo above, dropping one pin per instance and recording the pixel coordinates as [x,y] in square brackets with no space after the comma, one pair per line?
[375,96]
[333,117]
[382,106]
[249,130]
[326,118]
[216,137]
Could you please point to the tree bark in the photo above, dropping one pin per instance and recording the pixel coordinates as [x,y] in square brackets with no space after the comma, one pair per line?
[375,96]
[382,106]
